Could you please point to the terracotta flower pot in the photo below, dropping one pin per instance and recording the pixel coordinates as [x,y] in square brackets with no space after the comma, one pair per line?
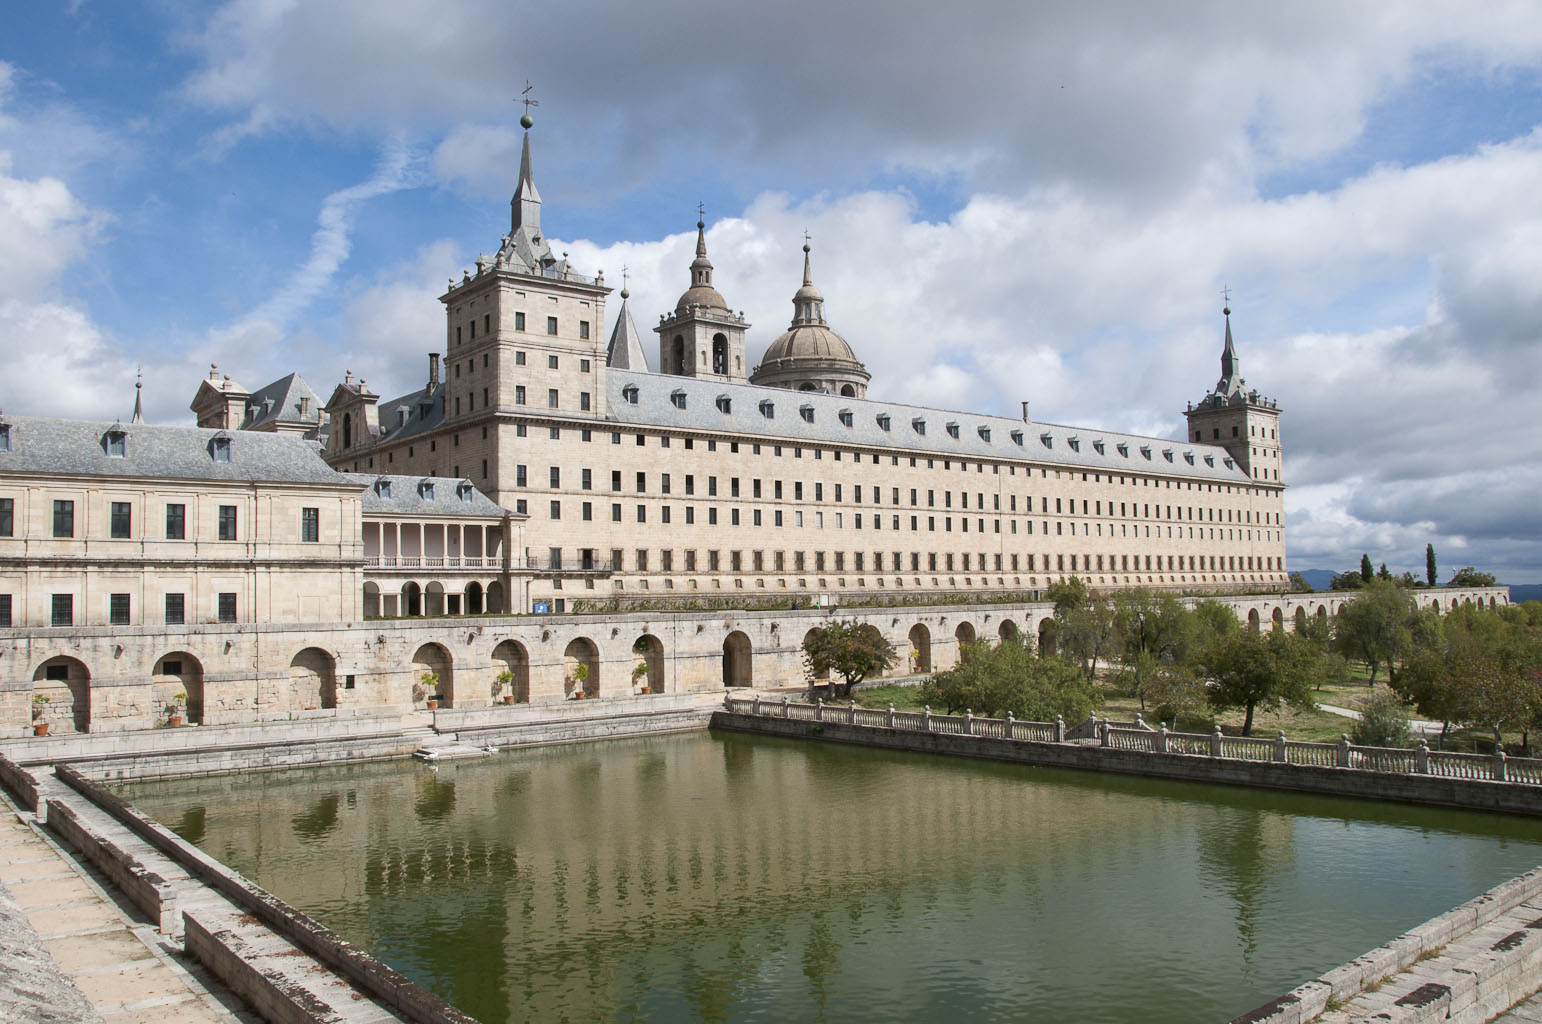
[173,720]
[433,705]
[508,698]
[40,728]
[645,690]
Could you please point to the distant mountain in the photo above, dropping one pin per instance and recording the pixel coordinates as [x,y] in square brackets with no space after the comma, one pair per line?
[1525,592]
[1319,578]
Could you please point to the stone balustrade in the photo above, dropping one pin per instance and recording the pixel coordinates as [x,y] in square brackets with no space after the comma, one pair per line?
[1138,738]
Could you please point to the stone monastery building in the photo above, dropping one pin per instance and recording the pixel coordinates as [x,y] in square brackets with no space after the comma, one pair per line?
[539,466]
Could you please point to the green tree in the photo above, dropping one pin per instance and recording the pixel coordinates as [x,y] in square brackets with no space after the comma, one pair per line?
[1382,573]
[1212,621]
[1350,580]
[1483,670]
[1153,633]
[1429,563]
[1085,623]
[1010,677]
[1250,670]
[1299,584]
[1373,626]
[1470,577]
[853,650]
[1366,572]
[1383,721]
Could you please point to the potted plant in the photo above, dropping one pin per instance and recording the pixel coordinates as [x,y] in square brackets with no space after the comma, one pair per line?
[39,711]
[174,712]
[505,679]
[430,682]
[640,677]
[577,678]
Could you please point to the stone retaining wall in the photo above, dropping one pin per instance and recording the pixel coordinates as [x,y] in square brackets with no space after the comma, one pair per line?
[147,890]
[20,782]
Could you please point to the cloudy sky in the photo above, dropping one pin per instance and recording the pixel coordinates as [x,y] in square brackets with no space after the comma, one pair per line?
[1008,200]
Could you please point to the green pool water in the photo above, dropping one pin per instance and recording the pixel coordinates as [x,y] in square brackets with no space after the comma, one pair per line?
[721,877]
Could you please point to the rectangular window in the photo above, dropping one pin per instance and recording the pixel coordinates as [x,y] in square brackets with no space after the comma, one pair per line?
[519,476]
[7,517]
[310,525]
[519,394]
[227,607]
[583,401]
[551,398]
[583,329]
[519,325]
[615,513]
[121,520]
[227,522]
[556,510]
[117,609]
[551,325]
[556,478]
[64,519]
[5,609]
[551,362]
[174,609]
[63,610]
[642,513]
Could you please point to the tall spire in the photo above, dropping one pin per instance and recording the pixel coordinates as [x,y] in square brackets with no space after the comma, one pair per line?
[808,303]
[701,267]
[139,383]
[526,204]
[1231,369]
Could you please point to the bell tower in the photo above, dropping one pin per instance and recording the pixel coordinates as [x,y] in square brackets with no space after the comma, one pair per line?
[703,337]
[1239,419]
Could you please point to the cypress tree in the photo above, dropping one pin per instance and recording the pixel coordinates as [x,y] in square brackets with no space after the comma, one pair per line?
[1429,563]
[1366,572]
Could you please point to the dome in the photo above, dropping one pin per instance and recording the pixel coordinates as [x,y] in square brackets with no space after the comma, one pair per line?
[701,295]
[809,342]
[808,355]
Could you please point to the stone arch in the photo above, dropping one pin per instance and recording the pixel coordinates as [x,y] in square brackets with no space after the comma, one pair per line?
[412,598]
[648,650]
[677,356]
[720,353]
[1467,601]
[313,679]
[511,656]
[472,603]
[963,635]
[825,675]
[1049,634]
[581,668]
[920,648]
[1278,619]
[436,659]
[738,660]
[178,672]
[1322,611]
[1007,630]
[494,599]
[1493,602]
[1253,622]
[371,599]
[66,682]
[847,391]
[347,431]
[433,598]
[1300,618]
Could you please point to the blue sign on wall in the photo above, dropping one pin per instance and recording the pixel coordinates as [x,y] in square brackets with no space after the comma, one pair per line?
[542,608]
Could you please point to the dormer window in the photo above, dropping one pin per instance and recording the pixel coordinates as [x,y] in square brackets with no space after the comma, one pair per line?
[984,432]
[768,408]
[884,423]
[1097,446]
[807,412]
[1075,443]
[1017,437]
[1047,439]
[1209,460]
[845,417]
[383,487]
[116,442]
[677,399]
[724,404]
[1145,451]
[464,491]
[1188,457]
[5,437]
[426,490]
[918,425]
[1123,449]
[629,394]
[952,429]
[219,449]
[1229,463]
[1167,453]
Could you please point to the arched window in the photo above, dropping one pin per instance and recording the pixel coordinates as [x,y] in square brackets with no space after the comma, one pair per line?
[719,354]
[347,430]
[677,360]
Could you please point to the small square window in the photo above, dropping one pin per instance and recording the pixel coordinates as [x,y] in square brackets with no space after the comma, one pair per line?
[551,362]
[551,325]
[519,325]
[583,329]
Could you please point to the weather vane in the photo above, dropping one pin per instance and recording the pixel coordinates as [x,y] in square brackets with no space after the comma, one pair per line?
[526,120]
[806,238]
[1225,295]
[701,211]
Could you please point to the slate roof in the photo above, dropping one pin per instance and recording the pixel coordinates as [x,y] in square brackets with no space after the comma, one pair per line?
[279,402]
[50,447]
[407,497]
[978,437]
[406,416]
[625,351]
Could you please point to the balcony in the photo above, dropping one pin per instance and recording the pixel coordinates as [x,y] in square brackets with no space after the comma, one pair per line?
[431,562]
[573,565]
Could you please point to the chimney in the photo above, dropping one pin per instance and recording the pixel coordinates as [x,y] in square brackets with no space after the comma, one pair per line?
[305,408]
[433,370]
[1025,413]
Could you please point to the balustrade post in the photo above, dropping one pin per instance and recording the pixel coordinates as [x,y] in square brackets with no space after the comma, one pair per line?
[1501,770]
[1161,740]
[1103,733]
[1215,741]
[819,709]
[1140,723]
[1010,723]
[969,721]
[755,706]
[891,716]
[786,708]
[728,702]
[926,718]
[1059,729]
[1422,757]
[1343,750]
[1280,751]
[851,714]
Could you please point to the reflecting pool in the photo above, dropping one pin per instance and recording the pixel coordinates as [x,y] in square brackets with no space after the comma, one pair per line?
[717,876]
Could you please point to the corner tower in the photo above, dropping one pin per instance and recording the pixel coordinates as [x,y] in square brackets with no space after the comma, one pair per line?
[1238,419]
[809,356]
[703,337]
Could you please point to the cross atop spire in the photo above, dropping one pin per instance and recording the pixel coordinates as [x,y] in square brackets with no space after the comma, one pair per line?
[139,383]
[525,120]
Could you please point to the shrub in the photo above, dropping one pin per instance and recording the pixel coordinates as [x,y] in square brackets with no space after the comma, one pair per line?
[1383,722]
